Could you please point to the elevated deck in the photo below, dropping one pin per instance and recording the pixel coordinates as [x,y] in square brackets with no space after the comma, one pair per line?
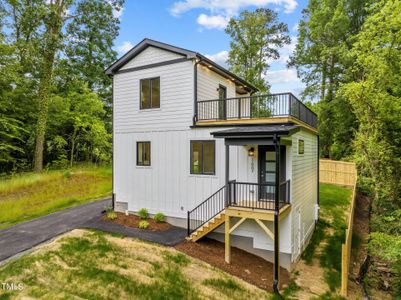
[261,109]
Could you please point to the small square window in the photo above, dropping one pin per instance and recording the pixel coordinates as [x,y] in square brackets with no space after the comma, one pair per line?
[143,153]
[301,146]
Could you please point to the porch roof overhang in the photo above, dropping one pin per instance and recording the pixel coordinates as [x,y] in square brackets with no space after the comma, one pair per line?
[257,131]
[258,135]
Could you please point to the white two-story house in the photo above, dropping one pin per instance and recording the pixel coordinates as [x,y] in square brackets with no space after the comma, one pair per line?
[196,142]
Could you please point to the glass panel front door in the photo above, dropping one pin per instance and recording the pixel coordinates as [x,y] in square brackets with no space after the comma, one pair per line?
[267,163]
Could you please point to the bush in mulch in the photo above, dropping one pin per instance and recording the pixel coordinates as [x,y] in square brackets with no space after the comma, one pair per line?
[133,221]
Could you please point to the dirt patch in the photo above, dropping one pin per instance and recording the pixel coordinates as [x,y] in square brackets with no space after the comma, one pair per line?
[133,222]
[249,267]
[359,249]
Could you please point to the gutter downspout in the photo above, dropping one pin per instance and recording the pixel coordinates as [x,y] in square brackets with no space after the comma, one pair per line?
[113,197]
[276,269]
[195,118]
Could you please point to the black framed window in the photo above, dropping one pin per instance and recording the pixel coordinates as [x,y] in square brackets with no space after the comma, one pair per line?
[301,146]
[203,157]
[150,93]
[143,153]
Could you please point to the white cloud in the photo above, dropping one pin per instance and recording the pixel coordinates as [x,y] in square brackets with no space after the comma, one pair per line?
[210,22]
[282,76]
[295,28]
[125,47]
[219,58]
[228,7]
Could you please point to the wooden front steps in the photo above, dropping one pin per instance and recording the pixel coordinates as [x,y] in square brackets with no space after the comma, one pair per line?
[207,227]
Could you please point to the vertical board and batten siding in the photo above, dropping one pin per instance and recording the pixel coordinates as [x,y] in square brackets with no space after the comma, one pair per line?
[151,55]
[304,186]
[167,185]
[176,99]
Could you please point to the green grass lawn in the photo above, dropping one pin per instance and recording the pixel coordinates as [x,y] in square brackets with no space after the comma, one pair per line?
[28,195]
[92,265]
[330,234]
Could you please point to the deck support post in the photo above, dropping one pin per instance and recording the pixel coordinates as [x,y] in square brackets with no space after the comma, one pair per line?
[227,257]
[276,270]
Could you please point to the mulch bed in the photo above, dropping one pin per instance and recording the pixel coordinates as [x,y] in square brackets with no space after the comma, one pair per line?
[244,265]
[133,222]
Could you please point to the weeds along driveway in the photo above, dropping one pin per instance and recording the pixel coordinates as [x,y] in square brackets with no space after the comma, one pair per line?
[24,236]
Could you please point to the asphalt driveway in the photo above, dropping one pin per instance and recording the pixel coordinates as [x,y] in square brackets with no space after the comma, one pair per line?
[24,236]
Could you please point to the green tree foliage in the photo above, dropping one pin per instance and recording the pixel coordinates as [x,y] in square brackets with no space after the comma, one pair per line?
[326,32]
[255,39]
[375,98]
[45,46]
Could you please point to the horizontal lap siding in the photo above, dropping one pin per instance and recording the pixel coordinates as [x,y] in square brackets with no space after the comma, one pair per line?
[208,84]
[151,55]
[304,183]
[176,99]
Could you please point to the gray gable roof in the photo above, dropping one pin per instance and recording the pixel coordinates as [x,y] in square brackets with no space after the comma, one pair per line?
[111,70]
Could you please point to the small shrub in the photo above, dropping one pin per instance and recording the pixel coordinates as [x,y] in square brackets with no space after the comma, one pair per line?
[143,213]
[159,217]
[143,224]
[111,215]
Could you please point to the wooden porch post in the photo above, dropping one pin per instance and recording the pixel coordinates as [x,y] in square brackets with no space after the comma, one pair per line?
[227,240]
[276,218]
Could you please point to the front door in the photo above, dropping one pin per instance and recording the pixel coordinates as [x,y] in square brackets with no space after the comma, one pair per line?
[267,173]
[222,102]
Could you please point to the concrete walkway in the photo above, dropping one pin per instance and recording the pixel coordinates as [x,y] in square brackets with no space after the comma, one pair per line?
[24,236]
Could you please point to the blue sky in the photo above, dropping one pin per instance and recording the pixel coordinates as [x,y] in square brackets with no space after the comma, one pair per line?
[198,25]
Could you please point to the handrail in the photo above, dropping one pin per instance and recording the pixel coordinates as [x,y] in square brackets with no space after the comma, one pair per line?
[206,210]
[239,194]
[251,107]
[223,187]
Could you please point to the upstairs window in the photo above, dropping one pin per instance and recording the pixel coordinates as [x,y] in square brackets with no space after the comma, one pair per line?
[203,157]
[301,146]
[150,93]
[143,153]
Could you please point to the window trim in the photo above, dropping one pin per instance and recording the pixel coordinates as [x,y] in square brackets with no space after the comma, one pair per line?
[137,154]
[191,158]
[299,141]
[150,86]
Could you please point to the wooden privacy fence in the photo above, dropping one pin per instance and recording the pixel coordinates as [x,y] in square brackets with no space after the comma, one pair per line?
[337,172]
[342,173]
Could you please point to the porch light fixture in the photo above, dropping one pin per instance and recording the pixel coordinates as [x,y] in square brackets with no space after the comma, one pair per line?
[251,152]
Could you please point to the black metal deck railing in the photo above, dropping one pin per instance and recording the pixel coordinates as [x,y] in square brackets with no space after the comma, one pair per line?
[258,195]
[239,194]
[261,106]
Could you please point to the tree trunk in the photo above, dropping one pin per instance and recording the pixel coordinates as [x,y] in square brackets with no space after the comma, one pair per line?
[74,136]
[54,25]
